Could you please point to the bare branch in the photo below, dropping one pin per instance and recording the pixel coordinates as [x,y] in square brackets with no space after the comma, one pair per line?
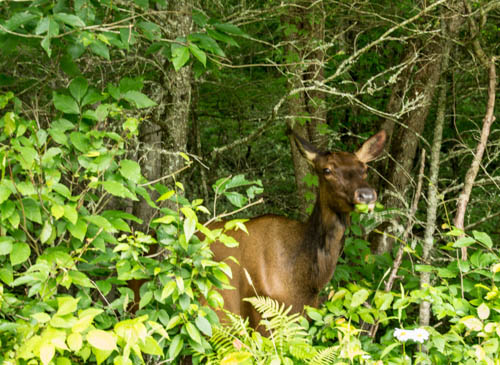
[470,177]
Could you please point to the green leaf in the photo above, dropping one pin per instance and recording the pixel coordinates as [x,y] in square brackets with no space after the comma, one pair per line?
[6,275]
[151,347]
[46,232]
[42,26]
[6,244]
[78,88]
[19,19]
[138,99]
[215,299]
[206,43]
[464,242]
[199,18]
[168,290]
[27,157]
[383,300]
[80,141]
[175,347]
[229,29]
[70,214]
[70,19]
[100,49]
[100,222]
[235,198]
[117,189]
[78,230]
[198,53]
[388,349]
[4,193]
[66,305]
[180,56]
[57,211]
[9,123]
[65,103]
[484,238]
[204,325]
[193,332]
[145,299]
[102,340]
[359,298]
[189,228]
[79,278]
[222,37]
[20,253]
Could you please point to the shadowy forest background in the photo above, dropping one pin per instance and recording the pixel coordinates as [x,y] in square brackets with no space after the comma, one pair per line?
[117,117]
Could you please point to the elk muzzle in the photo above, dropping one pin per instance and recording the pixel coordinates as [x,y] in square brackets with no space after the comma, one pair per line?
[366,196]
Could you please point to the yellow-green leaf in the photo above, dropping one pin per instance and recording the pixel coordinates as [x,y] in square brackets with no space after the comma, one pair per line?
[47,352]
[57,211]
[102,340]
[483,311]
[472,323]
[66,305]
[75,342]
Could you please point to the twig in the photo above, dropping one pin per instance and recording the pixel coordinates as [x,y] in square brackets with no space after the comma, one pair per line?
[166,176]
[246,139]
[260,201]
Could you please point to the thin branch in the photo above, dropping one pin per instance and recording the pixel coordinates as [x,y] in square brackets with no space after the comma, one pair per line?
[220,216]
[470,177]
[250,137]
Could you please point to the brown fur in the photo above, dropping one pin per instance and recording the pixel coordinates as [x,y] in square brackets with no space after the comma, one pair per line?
[292,261]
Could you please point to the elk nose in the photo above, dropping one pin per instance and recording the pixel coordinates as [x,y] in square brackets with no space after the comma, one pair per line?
[365,196]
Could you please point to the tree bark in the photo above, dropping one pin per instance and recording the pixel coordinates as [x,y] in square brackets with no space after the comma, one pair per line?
[406,137]
[432,192]
[307,22]
[178,85]
[168,128]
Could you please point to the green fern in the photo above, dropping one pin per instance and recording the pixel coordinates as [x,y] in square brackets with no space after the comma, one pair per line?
[326,356]
[287,340]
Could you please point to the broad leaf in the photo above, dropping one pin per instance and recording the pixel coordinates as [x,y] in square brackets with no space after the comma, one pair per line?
[20,253]
[65,103]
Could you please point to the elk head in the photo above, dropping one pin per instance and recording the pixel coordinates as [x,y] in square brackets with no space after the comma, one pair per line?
[342,175]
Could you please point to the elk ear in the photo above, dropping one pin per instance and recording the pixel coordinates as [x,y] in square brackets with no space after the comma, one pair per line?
[306,149]
[372,148]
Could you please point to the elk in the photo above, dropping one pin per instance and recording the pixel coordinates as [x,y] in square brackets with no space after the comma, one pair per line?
[291,261]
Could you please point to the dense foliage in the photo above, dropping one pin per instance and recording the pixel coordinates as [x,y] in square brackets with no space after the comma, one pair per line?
[127,127]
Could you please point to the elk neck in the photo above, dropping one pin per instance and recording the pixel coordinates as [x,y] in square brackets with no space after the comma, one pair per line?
[322,244]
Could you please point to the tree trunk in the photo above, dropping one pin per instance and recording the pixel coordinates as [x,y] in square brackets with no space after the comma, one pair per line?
[307,110]
[432,193]
[178,85]
[166,133]
[406,138]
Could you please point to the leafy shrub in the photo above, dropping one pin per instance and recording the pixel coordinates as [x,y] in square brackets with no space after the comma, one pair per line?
[66,257]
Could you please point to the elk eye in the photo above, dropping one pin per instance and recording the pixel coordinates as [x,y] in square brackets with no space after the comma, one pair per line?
[327,171]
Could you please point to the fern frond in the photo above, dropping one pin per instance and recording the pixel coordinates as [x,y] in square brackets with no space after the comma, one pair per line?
[283,328]
[267,307]
[324,357]
[302,351]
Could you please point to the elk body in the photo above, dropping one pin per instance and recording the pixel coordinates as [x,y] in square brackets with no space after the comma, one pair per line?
[291,261]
